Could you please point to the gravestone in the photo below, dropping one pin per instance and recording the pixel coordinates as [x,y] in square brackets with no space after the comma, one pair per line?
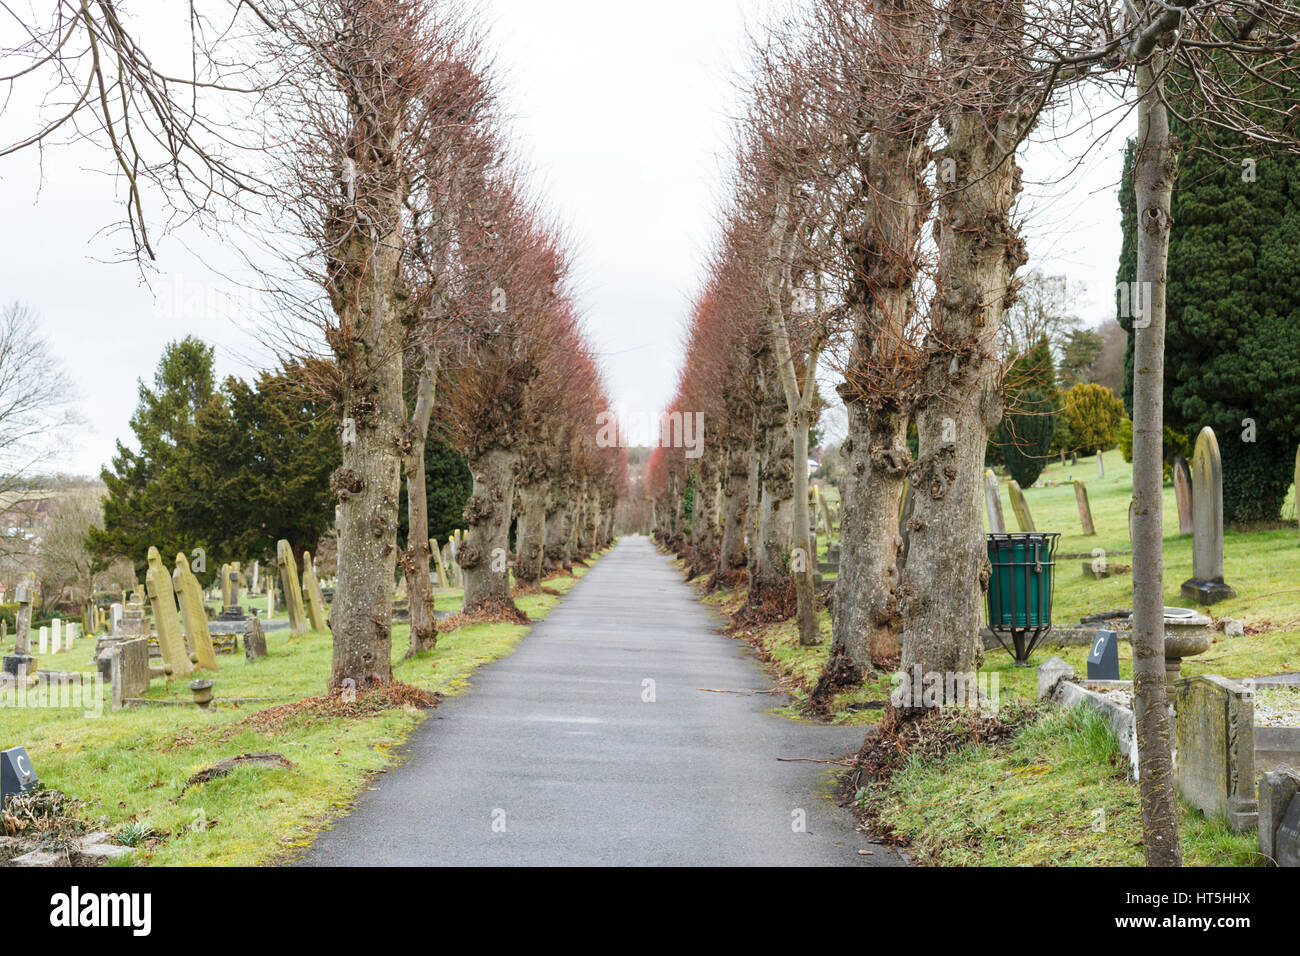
[45,640]
[166,618]
[1020,507]
[129,670]
[195,617]
[315,599]
[1085,512]
[254,639]
[1103,657]
[292,588]
[115,619]
[270,600]
[16,774]
[1277,802]
[20,661]
[993,503]
[439,567]
[1206,583]
[256,573]
[223,576]
[1214,734]
[232,578]
[1183,495]
[1052,673]
[56,634]
[1101,466]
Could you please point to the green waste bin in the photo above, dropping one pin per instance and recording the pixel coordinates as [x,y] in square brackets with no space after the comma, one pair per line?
[1020,589]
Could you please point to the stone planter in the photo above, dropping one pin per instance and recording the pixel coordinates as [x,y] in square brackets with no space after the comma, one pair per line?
[1187,634]
[202,691]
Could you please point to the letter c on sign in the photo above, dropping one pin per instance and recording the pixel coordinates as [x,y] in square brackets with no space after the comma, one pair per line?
[23,767]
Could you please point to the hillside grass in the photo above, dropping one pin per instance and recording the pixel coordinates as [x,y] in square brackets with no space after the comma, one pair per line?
[131,767]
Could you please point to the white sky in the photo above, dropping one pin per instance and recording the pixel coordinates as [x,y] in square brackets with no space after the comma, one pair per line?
[621,112]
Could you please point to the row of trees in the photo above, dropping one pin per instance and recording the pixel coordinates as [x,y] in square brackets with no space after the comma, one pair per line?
[422,293]
[873,222]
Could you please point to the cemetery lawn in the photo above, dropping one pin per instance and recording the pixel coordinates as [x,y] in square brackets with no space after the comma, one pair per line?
[1056,794]
[132,766]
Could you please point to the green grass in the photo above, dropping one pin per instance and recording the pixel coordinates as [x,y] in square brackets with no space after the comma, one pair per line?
[130,767]
[1057,794]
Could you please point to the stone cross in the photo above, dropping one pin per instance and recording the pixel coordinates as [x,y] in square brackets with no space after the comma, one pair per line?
[1183,495]
[993,503]
[23,619]
[315,598]
[1021,507]
[1085,512]
[162,598]
[292,588]
[194,615]
[1206,583]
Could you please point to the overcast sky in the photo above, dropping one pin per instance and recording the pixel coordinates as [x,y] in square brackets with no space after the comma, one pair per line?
[622,113]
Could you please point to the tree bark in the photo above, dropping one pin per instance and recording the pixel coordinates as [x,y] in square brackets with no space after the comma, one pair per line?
[484,556]
[416,557]
[1154,171]
[771,572]
[532,487]
[979,252]
[558,555]
[735,507]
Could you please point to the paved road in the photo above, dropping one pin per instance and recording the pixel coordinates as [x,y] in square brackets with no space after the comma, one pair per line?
[553,757]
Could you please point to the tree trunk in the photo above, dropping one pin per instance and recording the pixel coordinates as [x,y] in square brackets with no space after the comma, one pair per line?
[558,556]
[735,509]
[532,487]
[416,557]
[1154,172]
[867,621]
[484,556]
[979,252]
[704,525]
[368,483]
[776,471]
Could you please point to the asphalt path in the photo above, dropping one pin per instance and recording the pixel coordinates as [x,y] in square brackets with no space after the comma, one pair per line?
[624,730]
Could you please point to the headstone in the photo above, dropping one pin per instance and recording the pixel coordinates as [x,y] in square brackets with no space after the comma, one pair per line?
[1103,657]
[1206,583]
[254,639]
[115,619]
[56,634]
[993,503]
[311,589]
[129,671]
[1214,734]
[1052,673]
[270,601]
[224,575]
[1085,511]
[45,640]
[256,569]
[166,618]
[1101,466]
[197,634]
[1183,495]
[1020,507]
[292,588]
[438,565]
[20,661]
[16,774]
[1277,803]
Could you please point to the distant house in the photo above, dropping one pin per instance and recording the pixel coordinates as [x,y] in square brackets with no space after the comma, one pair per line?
[23,512]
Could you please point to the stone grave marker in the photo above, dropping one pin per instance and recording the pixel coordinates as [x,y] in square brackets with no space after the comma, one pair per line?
[1085,511]
[993,503]
[1183,495]
[256,572]
[1101,466]
[1277,799]
[56,634]
[158,584]
[115,619]
[1020,507]
[1103,657]
[438,566]
[1215,738]
[254,639]
[1297,468]
[193,614]
[129,670]
[1052,673]
[1206,583]
[20,660]
[292,588]
[311,588]
[45,640]
[16,774]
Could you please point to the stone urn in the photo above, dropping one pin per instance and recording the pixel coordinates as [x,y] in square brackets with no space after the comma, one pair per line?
[202,691]
[1187,634]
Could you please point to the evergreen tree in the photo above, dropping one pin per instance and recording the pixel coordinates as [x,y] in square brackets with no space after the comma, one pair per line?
[143,485]
[1232,348]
